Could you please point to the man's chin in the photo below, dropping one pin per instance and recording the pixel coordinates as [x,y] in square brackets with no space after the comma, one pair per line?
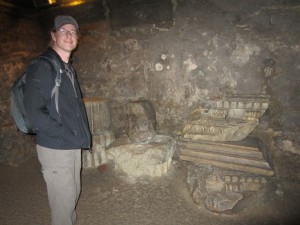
[70,48]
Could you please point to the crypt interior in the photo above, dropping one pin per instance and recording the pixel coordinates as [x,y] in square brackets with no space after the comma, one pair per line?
[193,106]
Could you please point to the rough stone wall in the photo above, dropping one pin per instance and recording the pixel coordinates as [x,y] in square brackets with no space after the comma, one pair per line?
[203,51]
[177,54]
[20,40]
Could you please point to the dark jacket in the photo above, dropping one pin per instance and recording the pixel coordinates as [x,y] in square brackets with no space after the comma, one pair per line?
[67,129]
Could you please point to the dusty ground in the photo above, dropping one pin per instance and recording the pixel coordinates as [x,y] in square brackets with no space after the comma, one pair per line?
[107,199]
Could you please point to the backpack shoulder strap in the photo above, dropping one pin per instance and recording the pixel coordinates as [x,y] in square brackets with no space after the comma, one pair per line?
[57,67]
[55,64]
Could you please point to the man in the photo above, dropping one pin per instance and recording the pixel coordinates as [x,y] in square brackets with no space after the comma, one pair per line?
[62,129]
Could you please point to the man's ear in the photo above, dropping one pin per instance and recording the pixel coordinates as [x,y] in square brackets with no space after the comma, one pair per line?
[53,36]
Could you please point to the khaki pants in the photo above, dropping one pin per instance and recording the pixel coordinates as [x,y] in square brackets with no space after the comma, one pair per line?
[61,171]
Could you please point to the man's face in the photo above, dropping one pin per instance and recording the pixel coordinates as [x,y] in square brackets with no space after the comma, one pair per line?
[65,38]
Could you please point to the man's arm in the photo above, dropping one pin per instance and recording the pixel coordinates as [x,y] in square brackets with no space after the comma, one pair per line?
[37,99]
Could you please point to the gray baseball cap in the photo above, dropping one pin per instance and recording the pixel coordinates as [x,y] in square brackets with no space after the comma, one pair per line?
[62,20]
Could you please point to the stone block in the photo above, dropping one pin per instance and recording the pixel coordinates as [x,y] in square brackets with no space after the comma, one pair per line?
[141,121]
[222,202]
[98,114]
[97,156]
[137,160]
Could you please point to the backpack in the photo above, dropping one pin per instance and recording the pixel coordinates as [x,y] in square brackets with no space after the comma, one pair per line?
[17,96]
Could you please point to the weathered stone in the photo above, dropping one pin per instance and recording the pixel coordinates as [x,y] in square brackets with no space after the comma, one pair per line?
[204,129]
[231,119]
[153,159]
[141,122]
[97,156]
[231,156]
[218,202]
[220,190]
[288,146]
[98,114]
[214,183]
[99,122]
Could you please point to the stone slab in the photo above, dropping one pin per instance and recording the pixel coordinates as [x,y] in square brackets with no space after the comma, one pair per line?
[243,158]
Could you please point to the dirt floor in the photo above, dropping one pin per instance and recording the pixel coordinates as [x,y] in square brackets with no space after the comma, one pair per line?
[107,199]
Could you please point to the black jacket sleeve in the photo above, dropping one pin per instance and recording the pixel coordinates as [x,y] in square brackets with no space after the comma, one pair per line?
[40,80]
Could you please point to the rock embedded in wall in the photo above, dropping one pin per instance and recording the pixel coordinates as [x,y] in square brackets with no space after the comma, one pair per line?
[288,146]
[243,51]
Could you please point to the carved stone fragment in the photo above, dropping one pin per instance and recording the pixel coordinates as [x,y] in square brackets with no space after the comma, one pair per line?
[229,119]
[223,173]
[229,156]
[97,156]
[141,121]
[219,190]
[99,121]
[218,202]
[98,114]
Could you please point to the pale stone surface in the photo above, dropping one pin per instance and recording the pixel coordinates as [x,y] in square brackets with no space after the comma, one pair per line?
[97,157]
[99,121]
[221,130]
[136,160]
[289,146]
[215,183]
[229,119]
[220,190]
[218,202]
[98,114]
[229,156]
